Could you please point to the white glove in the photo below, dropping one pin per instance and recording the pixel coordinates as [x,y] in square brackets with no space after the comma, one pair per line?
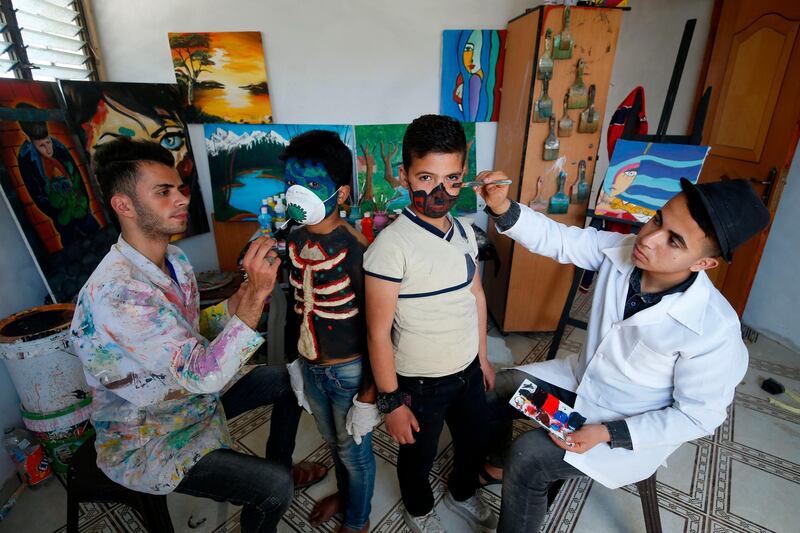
[296,379]
[361,418]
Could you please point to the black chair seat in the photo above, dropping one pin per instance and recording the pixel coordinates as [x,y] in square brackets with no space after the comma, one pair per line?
[87,483]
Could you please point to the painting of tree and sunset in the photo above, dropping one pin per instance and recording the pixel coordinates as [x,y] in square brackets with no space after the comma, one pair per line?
[223,76]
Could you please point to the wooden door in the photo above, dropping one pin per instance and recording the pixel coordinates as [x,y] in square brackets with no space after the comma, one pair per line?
[752,125]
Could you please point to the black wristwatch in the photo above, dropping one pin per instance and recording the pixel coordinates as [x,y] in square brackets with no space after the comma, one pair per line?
[389,401]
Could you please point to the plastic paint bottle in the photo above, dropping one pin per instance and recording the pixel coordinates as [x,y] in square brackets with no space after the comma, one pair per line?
[367,227]
[28,456]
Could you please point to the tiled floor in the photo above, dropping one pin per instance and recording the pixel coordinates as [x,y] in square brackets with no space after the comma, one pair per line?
[746,477]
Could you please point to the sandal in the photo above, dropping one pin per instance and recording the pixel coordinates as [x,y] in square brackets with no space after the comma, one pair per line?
[307,473]
[487,478]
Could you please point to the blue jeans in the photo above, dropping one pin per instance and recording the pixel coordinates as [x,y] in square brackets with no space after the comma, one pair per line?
[330,390]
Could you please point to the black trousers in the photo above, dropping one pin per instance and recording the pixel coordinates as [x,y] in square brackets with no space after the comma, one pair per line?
[459,400]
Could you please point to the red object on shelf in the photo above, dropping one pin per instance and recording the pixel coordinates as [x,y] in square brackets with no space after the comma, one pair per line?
[367,228]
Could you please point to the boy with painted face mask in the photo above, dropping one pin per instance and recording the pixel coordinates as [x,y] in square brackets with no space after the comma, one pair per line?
[332,377]
[426,320]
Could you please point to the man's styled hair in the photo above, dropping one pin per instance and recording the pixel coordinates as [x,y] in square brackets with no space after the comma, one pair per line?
[700,215]
[433,134]
[325,147]
[36,131]
[116,165]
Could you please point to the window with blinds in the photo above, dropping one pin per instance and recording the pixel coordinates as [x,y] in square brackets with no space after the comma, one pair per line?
[44,40]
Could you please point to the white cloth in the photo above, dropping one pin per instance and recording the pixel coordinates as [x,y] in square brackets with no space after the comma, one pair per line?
[361,419]
[296,381]
[670,371]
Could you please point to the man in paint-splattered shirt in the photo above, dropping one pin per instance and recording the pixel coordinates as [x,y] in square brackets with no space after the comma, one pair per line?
[160,421]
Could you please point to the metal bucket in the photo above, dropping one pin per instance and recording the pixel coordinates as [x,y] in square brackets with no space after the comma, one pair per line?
[35,347]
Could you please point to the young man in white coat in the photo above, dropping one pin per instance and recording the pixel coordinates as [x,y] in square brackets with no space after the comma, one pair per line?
[663,352]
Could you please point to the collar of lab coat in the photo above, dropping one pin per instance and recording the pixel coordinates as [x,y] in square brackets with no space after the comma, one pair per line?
[688,307]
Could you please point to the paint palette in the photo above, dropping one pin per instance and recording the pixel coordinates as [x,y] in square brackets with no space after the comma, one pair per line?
[546,410]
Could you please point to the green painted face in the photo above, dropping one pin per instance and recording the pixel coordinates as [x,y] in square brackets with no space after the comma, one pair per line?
[311,175]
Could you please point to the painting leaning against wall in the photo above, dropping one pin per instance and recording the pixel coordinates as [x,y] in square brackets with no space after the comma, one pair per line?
[103,111]
[48,188]
[379,148]
[244,164]
[472,74]
[222,76]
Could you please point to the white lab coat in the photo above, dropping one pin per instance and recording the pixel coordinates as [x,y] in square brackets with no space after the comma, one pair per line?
[670,371]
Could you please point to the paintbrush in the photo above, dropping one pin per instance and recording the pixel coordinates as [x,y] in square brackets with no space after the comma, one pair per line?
[563,43]
[566,123]
[546,61]
[590,117]
[551,144]
[481,183]
[543,108]
[577,93]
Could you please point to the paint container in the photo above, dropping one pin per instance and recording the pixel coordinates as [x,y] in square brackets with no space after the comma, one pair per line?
[61,432]
[36,349]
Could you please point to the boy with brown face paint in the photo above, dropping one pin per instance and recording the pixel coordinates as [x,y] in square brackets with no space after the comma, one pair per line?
[426,325]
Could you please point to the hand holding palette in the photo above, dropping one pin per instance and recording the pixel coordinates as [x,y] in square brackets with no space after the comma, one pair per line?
[545,409]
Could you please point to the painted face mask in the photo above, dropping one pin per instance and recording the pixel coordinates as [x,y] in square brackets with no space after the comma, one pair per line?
[305,207]
[434,204]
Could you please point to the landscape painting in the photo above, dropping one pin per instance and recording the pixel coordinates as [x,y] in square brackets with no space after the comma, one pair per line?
[379,149]
[244,164]
[223,76]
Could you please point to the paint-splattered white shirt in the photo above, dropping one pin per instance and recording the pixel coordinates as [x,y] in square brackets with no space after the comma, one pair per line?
[156,377]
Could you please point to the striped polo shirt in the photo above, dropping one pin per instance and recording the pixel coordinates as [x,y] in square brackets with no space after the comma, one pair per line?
[435,326]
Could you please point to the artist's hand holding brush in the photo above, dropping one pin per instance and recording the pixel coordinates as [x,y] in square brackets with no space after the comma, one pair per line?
[495,195]
[261,264]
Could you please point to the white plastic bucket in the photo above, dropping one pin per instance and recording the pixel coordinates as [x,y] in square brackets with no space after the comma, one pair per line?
[36,349]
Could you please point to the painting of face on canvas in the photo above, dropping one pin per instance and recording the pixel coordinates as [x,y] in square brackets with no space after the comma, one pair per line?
[104,111]
[379,149]
[472,74]
[48,188]
[222,75]
[545,409]
[642,177]
[245,166]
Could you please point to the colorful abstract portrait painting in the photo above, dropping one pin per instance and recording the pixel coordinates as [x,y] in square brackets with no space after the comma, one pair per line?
[48,188]
[472,74]
[222,75]
[104,111]
[245,167]
[379,157]
[642,177]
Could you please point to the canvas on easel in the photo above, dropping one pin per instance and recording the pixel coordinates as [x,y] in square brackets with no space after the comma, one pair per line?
[642,177]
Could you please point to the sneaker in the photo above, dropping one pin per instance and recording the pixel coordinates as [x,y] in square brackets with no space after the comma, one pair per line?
[428,523]
[473,510]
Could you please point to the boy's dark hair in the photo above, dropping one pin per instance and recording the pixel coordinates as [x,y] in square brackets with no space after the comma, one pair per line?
[324,147]
[700,215]
[433,134]
[36,131]
[116,165]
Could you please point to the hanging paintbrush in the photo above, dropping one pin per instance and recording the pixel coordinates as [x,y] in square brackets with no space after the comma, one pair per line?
[581,188]
[590,118]
[546,61]
[565,124]
[559,202]
[538,203]
[551,144]
[563,43]
[577,93]
[543,108]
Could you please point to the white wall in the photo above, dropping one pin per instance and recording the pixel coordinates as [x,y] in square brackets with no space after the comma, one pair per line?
[772,307]
[21,287]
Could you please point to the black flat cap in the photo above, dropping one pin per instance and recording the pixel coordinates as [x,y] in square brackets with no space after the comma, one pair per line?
[734,209]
